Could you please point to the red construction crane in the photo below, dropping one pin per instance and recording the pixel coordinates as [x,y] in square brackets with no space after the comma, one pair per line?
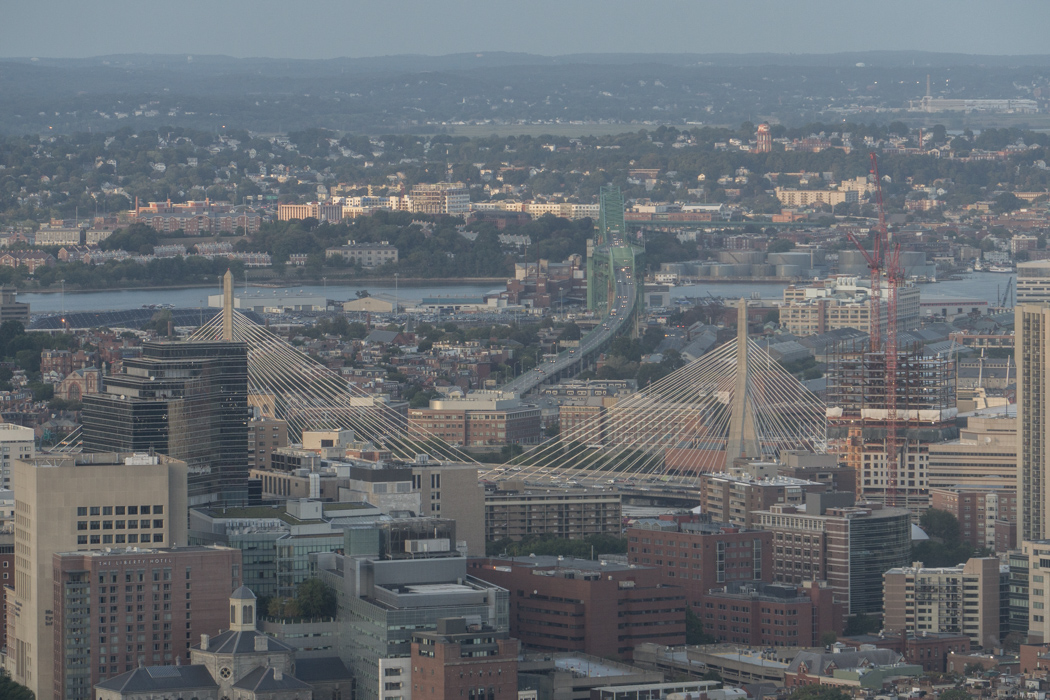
[875,263]
[885,257]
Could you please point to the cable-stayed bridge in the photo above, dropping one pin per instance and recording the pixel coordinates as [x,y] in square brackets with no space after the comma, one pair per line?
[734,402]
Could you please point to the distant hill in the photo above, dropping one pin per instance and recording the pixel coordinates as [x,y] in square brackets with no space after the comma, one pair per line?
[420,93]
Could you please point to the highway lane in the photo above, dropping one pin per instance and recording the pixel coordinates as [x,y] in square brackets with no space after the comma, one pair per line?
[626,293]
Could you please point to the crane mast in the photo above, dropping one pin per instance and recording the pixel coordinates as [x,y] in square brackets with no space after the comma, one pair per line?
[894,279]
[884,258]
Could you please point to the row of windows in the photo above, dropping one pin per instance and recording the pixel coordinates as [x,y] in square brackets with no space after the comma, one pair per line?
[119,539]
[118,524]
[83,511]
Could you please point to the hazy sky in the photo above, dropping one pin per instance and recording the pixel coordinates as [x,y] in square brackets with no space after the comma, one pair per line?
[331,28]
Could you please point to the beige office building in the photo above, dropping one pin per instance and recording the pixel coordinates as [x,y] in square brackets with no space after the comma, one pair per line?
[1033,282]
[960,599]
[1032,352]
[16,442]
[1038,555]
[790,197]
[984,456]
[842,302]
[439,198]
[74,503]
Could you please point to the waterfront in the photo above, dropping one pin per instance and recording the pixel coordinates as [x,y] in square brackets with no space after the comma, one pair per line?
[979,285]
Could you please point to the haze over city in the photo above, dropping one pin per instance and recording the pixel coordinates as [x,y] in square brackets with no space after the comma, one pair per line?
[587,350]
[333,28]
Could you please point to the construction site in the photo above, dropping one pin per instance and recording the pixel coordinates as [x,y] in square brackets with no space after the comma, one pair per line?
[863,429]
[886,404]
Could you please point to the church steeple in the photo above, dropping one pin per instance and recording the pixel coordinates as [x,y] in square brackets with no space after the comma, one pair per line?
[242,610]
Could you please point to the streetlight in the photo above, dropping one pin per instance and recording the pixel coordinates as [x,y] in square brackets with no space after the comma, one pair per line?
[395,293]
[325,280]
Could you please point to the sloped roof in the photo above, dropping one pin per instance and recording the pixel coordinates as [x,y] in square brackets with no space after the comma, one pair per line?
[231,642]
[261,680]
[820,663]
[149,679]
[329,668]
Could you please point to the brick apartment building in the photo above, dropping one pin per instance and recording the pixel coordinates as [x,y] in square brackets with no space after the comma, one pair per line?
[700,556]
[978,511]
[195,218]
[930,649]
[478,420]
[579,605]
[849,545]
[965,599]
[735,496]
[458,661]
[772,614]
[264,436]
[157,603]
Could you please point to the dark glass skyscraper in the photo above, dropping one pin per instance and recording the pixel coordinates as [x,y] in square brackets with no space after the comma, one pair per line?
[188,400]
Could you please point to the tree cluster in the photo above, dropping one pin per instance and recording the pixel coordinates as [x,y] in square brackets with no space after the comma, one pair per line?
[945,546]
[313,599]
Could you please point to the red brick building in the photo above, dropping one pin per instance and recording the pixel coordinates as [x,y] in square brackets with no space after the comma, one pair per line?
[699,556]
[928,650]
[464,662]
[734,497]
[195,218]
[978,510]
[114,611]
[32,259]
[767,615]
[63,362]
[579,605]
[518,425]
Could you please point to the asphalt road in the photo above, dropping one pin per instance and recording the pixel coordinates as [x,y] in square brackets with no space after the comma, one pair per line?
[626,292]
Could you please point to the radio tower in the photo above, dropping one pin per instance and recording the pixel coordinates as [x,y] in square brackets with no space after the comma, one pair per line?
[885,257]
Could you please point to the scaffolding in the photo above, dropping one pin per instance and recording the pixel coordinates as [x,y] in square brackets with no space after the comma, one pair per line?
[857,393]
[861,416]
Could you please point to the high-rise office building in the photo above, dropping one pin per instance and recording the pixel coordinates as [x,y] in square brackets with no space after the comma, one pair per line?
[71,503]
[1031,351]
[188,400]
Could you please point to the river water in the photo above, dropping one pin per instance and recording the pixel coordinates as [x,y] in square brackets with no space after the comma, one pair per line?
[979,285]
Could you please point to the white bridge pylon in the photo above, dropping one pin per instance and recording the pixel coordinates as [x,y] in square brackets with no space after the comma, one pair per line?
[292,386]
[683,425]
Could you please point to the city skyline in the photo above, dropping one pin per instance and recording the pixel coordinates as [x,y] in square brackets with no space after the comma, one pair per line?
[62,29]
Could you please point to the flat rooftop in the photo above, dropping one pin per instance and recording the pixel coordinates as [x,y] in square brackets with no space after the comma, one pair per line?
[755,659]
[569,563]
[591,668]
[438,588]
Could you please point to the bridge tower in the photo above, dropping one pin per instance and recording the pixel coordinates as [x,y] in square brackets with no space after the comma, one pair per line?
[743,437]
[227,306]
